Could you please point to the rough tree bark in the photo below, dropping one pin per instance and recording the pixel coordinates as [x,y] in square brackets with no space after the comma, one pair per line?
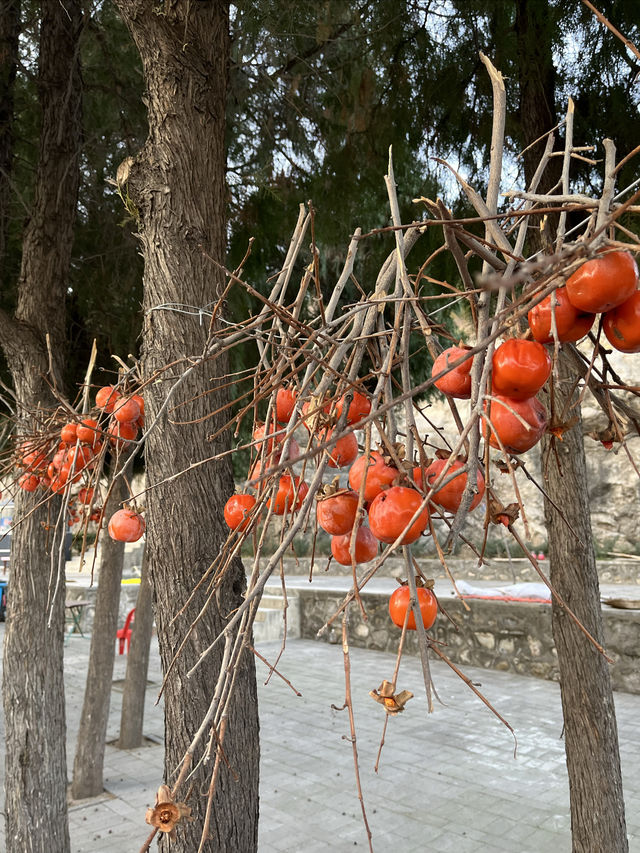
[135,681]
[177,182]
[534,23]
[591,737]
[89,760]
[9,32]
[33,687]
[590,730]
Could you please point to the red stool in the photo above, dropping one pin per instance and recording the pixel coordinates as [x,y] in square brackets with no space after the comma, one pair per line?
[124,633]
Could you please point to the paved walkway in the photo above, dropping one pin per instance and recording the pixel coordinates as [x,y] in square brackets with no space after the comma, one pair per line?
[448,781]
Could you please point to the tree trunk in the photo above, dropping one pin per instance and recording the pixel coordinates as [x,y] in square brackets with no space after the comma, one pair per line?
[89,761]
[33,686]
[591,738]
[591,735]
[9,32]
[178,185]
[135,682]
[534,24]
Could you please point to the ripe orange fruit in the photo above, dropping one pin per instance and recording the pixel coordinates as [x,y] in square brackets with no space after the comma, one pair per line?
[519,369]
[106,398]
[125,525]
[516,437]
[392,510]
[457,382]
[399,602]
[603,282]
[237,509]
[366,547]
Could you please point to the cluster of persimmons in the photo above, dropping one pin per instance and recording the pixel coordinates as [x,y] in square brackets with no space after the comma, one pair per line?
[69,457]
[390,495]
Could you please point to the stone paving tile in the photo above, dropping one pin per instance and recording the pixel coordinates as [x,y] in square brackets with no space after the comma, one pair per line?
[448,781]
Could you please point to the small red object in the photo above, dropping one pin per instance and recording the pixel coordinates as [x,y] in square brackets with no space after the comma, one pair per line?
[124,634]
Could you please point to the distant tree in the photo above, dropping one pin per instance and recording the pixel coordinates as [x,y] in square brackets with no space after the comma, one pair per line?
[135,680]
[88,764]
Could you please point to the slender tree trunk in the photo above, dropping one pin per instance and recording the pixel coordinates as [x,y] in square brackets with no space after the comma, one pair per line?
[89,761]
[33,687]
[135,682]
[178,184]
[591,735]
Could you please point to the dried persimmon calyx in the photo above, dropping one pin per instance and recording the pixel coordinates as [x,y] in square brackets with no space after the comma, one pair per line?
[393,703]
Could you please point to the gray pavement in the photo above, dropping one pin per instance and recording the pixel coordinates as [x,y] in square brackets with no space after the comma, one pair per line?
[448,781]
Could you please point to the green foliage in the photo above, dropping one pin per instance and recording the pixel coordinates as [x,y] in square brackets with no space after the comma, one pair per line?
[105,287]
[318,93]
[105,280]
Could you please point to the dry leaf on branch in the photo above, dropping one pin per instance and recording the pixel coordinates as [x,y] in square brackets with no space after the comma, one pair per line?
[393,703]
[500,514]
[167,814]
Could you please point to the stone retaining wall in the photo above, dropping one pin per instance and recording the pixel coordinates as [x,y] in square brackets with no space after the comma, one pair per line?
[492,634]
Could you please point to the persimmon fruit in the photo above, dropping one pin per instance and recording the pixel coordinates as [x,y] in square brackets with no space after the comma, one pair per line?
[119,434]
[366,547]
[237,509]
[515,436]
[125,525]
[87,431]
[359,408]
[285,403]
[343,452]
[457,382]
[571,324]
[603,283]
[376,473]
[68,433]
[622,325]
[519,369]
[336,514]
[290,494]
[107,397]
[449,496]
[29,482]
[85,495]
[126,410]
[399,603]
[392,510]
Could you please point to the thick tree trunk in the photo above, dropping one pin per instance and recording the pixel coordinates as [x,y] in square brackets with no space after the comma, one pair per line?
[591,735]
[178,185]
[135,682]
[33,687]
[89,760]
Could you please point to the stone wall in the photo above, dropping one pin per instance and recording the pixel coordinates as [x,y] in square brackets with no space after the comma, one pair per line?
[498,569]
[492,634]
